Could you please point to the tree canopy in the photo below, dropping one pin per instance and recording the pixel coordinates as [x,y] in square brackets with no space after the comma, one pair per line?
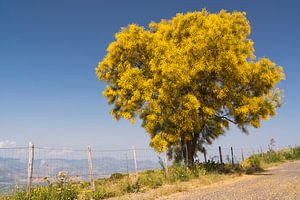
[188,78]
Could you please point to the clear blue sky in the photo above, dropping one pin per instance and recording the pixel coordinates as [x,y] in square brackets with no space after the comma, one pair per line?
[49,93]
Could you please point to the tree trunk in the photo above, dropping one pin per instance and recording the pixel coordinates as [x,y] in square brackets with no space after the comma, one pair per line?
[188,149]
[190,153]
[191,149]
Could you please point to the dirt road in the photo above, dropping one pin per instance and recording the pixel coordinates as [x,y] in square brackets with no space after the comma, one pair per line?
[282,183]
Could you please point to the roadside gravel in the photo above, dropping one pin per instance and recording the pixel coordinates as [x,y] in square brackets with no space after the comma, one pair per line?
[282,183]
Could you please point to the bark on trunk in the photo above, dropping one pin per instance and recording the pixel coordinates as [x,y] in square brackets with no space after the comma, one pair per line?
[191,149]
[190,153]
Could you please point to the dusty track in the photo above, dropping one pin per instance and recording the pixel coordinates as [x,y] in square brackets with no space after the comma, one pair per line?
[282,183]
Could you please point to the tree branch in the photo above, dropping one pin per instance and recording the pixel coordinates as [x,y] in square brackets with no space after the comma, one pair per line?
[226,118]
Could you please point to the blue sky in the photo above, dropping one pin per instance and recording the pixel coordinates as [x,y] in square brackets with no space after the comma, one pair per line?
[49,93]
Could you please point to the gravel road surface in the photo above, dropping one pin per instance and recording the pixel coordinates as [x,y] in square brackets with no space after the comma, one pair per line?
[282,183]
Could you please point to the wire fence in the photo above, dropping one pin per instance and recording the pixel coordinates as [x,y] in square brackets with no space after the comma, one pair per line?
[17,172]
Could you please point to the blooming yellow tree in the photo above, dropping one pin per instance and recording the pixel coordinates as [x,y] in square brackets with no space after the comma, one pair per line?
[188,78]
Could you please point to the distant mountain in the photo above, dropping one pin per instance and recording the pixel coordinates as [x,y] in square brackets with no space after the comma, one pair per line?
[14,171]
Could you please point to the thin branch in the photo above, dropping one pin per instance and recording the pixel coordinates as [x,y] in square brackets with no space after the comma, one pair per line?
[226,118]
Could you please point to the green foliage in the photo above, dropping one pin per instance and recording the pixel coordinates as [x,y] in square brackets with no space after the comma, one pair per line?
[291,153]
[252,164]
[179,173]
[152,178]
[212,166]
[285,154]
[273,157]
[116,176]
[99,193]
[20,195]
[133,188]
[50,192]
[120,184]
[255,162]
[62,189]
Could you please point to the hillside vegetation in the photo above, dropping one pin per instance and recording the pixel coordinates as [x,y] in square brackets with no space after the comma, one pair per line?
[121,184]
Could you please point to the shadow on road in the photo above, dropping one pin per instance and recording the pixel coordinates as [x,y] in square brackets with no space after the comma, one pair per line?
[263,174]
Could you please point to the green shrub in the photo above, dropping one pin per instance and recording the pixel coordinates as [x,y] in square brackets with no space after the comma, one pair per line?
[221,168]
[255,161]
[49,192]
[197,171]
[132,188]
[60,190]
[20,195]
[152,178]
[291,153]
[252,164]
[272,157]
[117,176]
[179,173]
[100,193]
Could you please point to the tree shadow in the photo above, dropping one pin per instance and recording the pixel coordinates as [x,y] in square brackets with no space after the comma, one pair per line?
[262,172]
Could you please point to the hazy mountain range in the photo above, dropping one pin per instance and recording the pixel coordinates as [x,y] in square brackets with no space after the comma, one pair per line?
[13,171]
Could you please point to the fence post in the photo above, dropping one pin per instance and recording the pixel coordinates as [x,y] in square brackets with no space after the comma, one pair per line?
[261,152]
[220,152]
[127,164]
[253,151]
[242,151]
[30,166]
[166,162]
[135,163]
[232,161]
[90,165]
[204,153]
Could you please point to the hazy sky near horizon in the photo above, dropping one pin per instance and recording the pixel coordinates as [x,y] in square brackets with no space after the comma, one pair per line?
[50,95]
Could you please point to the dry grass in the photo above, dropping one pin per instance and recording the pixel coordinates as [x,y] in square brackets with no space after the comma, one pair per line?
[153,184]
[170,189]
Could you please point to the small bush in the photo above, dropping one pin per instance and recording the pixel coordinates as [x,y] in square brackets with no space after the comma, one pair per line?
[151,178]
[50,192]
[252,164]
[100,193]
[20,195]
[132,188]
[117,176]
[220,168]
[272,157]
[60,190]
[291,153]
[198,170]
[179,173]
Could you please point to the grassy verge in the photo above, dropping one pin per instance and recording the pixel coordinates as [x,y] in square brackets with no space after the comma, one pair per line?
[122,184]
[258,162]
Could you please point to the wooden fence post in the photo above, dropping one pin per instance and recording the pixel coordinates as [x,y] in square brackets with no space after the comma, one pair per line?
[232,161]
[261,152]
[242,151]
[220,153]
[205,158]
[90,166]
[127,168]
[135,163]
[30,166]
